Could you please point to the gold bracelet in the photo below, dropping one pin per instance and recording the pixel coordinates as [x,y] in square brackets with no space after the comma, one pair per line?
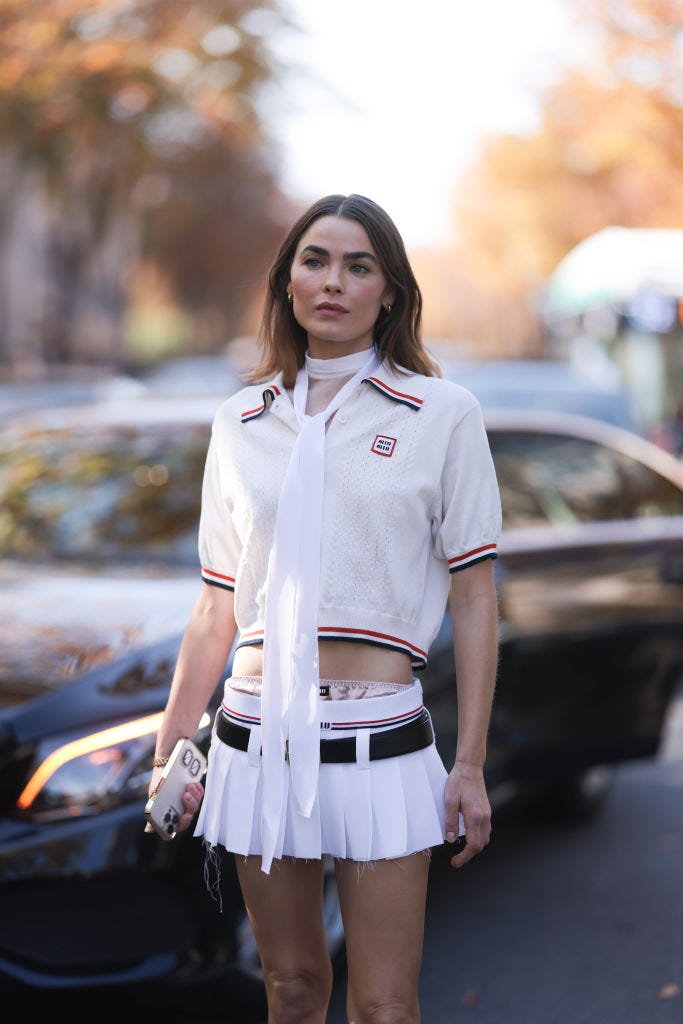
[159,762]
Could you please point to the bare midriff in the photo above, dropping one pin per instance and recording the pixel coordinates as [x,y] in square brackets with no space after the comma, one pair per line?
[339,659]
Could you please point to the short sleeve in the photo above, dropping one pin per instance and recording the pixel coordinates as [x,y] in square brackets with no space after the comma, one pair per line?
[471,512]
[219,545]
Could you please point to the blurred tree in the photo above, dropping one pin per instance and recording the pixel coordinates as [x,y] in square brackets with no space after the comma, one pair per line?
[132,129]
[608,150]
[464,317]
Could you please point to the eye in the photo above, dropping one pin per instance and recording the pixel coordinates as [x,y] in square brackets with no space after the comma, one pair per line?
[359,268]
[312,261]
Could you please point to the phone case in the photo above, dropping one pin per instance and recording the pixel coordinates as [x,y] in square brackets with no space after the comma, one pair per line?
[186,764]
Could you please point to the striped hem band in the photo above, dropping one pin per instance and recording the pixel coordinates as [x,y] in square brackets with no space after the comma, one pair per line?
[472,557]
[418,657]
[218,579]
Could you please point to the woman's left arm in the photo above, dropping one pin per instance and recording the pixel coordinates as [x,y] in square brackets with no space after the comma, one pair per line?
[474,614]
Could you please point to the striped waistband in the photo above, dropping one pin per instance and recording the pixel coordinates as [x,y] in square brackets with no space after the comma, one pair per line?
[366,713]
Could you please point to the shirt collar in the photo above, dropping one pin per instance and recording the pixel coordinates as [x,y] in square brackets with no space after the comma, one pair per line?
[269,392]
[401,386]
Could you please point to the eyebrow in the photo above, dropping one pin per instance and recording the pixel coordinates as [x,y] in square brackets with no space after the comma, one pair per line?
[319,251]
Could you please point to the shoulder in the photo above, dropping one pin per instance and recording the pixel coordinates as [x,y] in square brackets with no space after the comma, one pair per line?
[436,395]
[451,395]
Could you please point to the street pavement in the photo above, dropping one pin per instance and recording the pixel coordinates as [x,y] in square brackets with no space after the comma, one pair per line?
[565,924]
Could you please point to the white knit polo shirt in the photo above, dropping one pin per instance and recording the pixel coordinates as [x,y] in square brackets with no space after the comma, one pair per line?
[410,497]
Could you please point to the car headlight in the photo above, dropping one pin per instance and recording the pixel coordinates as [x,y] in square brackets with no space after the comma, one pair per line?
[91,773]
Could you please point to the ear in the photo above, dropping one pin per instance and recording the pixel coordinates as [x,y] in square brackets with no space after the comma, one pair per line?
[388,297]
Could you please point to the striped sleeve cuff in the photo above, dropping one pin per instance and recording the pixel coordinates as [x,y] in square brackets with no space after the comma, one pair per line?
[472,557]
[218,579]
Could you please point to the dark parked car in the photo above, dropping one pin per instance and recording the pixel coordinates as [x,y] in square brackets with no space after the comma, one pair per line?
[98,575]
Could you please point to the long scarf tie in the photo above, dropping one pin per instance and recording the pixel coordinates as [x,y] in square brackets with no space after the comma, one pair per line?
[290,716]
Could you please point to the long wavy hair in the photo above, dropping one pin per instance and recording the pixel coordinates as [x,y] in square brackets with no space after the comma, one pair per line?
[397,334]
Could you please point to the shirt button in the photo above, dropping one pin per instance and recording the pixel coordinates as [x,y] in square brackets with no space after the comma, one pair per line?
[343,419]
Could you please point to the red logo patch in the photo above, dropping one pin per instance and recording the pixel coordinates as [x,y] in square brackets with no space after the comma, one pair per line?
[384,445]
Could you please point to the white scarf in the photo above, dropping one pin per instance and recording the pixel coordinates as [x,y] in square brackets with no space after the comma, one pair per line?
[290,717]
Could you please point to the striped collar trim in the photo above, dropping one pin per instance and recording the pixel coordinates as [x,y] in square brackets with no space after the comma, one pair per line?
[405,389]
[269,394]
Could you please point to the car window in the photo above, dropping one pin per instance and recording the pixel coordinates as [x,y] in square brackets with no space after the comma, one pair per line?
[606,406]
[558,479]
[120,492]
[544,384]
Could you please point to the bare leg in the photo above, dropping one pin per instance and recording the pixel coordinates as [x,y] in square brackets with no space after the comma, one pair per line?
[383,906]
[286,913]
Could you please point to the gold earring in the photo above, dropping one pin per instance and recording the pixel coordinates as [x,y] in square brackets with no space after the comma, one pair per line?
[289,296]
[388,307]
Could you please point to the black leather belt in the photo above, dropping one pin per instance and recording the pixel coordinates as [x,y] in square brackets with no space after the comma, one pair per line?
[404,739]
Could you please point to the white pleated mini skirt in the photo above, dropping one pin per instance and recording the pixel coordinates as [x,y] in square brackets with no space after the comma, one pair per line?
[368,811]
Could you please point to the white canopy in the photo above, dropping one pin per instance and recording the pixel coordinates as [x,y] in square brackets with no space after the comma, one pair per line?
[614,266]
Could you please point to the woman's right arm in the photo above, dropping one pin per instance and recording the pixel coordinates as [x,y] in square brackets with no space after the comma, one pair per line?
[203,654]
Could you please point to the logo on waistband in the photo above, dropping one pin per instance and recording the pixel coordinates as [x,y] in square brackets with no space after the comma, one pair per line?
[384,445]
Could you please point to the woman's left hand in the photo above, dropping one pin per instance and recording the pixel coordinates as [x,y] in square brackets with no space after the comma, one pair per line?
[466,795]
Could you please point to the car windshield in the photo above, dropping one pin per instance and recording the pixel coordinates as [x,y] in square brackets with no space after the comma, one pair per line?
[119,493]
[522,384]
[562,479]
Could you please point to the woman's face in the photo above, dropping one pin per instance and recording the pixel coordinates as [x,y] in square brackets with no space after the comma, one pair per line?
[337,287]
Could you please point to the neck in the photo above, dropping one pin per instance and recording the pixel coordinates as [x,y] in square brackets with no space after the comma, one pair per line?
[338,366]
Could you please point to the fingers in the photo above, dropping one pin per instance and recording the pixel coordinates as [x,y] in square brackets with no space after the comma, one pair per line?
[477,836]
[467,810]
[470,850]
[455,826]
[192,798]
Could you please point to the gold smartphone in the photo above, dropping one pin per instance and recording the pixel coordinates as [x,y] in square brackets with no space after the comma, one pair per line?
[186,764]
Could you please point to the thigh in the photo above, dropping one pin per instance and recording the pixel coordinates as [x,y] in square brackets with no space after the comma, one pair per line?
[285,909]
[383,907]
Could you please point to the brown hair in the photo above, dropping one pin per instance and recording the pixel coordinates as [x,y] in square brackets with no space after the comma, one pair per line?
[397,335]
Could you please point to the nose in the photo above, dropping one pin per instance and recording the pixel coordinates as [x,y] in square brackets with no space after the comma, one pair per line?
[333,280]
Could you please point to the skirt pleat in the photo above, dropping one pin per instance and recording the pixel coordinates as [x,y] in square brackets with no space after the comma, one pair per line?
[232,797]
[387,809]
[300,834]
[427,777]
[332,821]
[357,797]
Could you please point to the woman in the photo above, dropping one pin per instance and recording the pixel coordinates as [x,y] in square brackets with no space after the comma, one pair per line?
[348,496]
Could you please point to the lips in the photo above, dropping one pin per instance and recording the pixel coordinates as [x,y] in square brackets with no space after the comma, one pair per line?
[330,307]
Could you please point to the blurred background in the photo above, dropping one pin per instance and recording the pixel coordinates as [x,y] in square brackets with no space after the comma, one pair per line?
[153,153]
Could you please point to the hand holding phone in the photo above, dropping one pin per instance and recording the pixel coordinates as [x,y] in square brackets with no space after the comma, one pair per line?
[165,806]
